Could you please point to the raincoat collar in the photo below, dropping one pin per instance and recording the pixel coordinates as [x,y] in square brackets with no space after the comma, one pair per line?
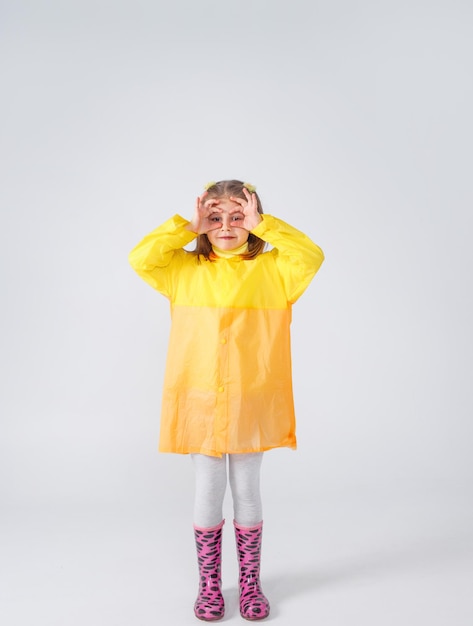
[230,254]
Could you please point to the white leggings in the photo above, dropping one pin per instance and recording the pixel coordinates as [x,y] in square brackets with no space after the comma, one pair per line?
[211,484]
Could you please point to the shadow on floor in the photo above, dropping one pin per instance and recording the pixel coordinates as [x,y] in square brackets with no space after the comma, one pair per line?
[408,557]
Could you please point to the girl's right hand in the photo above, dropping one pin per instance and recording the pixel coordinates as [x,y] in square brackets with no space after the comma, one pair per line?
[201,223]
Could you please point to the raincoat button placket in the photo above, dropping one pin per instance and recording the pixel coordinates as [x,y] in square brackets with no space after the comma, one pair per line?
[221,417]
[223,342]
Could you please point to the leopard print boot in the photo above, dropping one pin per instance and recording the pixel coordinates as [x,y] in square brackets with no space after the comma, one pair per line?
[253,604]
[209,605]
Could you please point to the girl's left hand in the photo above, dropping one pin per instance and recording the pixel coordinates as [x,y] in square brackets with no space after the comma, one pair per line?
[249,209]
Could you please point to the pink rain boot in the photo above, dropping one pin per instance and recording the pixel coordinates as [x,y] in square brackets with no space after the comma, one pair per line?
[209,605]
[253,604]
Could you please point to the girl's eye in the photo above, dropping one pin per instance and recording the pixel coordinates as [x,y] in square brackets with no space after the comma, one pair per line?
[235,218]
[214,218]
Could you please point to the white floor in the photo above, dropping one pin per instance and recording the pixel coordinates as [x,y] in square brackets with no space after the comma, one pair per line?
[349,560]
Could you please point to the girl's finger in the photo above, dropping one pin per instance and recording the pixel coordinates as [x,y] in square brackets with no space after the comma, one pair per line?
[248,195]
[212,204]
[241,201]
[200,199]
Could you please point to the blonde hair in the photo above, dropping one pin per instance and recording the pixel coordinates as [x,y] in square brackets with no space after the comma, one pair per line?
[226,189]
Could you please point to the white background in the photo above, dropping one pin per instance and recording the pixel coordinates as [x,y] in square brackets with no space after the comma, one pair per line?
[353,119]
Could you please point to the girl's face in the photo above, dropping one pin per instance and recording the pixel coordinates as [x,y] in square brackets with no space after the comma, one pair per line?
[226,231]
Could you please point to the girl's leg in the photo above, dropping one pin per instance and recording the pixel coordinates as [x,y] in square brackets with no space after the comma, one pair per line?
[210,486]
[245,472]
[211,482]
[245,483]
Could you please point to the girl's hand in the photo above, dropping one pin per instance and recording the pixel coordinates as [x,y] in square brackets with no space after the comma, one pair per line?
[249,208]
[201,223]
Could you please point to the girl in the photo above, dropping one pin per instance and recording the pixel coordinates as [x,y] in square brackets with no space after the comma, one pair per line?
[227,390]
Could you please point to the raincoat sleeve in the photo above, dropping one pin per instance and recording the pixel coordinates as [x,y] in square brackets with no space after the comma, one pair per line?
[298,258]
[158,257]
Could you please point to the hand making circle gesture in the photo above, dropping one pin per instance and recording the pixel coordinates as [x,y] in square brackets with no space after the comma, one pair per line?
[249,209]
[201,223]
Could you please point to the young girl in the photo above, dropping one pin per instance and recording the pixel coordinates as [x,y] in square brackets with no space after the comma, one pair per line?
[228,391]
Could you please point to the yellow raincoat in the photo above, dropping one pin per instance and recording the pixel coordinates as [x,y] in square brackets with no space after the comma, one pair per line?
[228,381]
